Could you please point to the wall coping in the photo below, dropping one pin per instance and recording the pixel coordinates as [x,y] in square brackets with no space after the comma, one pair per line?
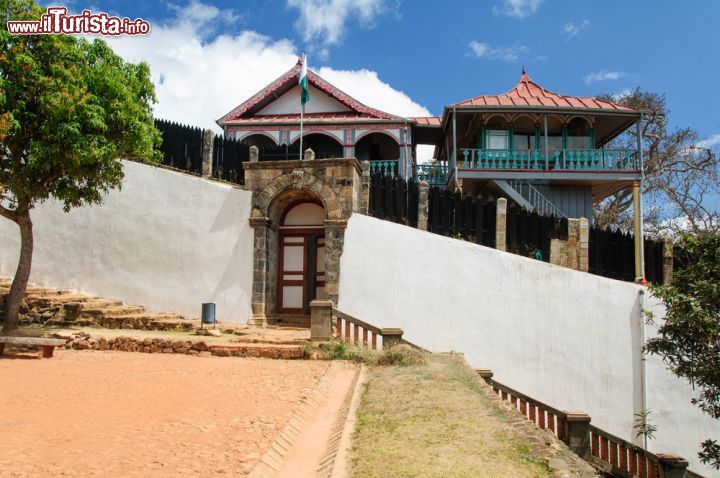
[303,163]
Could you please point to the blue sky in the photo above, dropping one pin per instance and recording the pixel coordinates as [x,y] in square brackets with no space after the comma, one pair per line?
[434,53]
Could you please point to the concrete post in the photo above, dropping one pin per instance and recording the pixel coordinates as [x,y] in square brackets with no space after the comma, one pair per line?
[637,227]
[501,225]
[391,337]
[673,466]
[320,320]
[485,374]
[578,433]
[309,154]
[207,153]
[364,206]
[584,246]
[667,260]
[254,154]
[423,203]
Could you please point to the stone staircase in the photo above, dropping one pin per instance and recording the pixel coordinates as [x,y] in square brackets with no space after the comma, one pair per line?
[56,307]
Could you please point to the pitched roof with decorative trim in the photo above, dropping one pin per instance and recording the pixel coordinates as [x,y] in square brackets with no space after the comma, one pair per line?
[528,93]
[284,83]
[427,120]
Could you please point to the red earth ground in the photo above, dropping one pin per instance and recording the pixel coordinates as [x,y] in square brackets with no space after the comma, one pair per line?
[132,414]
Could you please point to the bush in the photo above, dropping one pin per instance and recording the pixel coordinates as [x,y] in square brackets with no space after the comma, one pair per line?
[401,355]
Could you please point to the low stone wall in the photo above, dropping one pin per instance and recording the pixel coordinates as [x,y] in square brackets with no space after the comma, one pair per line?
[84,341]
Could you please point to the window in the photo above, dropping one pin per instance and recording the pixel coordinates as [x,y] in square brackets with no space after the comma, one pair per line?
[578,134]
[497,139]
[524,142]
[554,143]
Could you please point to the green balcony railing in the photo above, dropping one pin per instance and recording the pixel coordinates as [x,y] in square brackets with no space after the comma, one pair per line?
[386,168]
[558,160]
[433,174]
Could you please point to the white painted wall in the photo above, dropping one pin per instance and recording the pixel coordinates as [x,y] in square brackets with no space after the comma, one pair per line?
[289,103]
[166,240]
[567,338]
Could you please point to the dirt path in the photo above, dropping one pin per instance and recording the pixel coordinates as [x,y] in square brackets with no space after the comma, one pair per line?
[123,414]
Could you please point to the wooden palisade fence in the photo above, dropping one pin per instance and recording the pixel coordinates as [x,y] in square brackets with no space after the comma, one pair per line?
[393,199]
[181,146]
[612,255]
[529,234]
[451,214]
[227,158]
[183,149]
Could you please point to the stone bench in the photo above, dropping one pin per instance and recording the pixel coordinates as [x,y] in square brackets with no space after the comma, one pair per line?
[45,347]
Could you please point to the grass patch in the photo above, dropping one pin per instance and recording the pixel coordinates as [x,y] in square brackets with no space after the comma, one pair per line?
[400,355]
[430,420]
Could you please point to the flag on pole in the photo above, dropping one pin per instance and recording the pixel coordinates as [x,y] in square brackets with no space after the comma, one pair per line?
[305,93]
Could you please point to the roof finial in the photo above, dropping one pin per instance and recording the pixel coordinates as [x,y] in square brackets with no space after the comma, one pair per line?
[523,72]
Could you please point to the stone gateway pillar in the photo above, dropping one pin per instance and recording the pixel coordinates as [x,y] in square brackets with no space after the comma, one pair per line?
[277,187]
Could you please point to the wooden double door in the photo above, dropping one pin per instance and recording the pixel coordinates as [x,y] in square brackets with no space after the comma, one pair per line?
[301,270]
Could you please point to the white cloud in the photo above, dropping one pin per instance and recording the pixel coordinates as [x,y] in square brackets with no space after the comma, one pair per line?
[484,50]
[619,95]
[517,8]
[366,87]
[710,142]
[198,80]
[602,75]
[571,29]
[323,22]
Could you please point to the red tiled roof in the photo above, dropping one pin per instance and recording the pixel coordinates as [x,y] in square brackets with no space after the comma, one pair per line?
[427,120]
[529,93]
[265,96]
[309,117]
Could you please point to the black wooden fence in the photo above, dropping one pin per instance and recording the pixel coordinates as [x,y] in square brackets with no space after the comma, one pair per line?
[612,254]
[181,146]
[451,214]
[393,199]
[281,152]
[227,159]
[529,234]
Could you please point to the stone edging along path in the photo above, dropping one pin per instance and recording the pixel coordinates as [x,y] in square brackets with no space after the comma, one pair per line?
[272,461]
[335,462]
[83,341]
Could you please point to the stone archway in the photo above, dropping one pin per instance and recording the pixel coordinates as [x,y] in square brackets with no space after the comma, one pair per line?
[334,183]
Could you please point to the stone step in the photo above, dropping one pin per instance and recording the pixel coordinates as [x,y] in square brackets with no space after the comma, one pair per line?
[71,308]
[112,311]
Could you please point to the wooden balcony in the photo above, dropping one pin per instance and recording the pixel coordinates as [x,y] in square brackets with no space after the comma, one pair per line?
[433,174]
[583,160]
[606,170]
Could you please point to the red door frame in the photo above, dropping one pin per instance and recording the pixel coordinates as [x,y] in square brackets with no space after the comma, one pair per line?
[319,233]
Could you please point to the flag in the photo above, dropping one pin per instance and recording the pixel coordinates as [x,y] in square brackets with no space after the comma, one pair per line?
[305,93]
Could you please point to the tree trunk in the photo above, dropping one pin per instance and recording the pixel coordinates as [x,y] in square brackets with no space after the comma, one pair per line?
[22,275]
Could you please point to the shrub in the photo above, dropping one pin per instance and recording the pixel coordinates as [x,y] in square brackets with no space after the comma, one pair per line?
[402,355]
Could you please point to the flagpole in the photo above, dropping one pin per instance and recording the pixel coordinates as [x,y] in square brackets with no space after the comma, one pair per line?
[302,113]
[304,96]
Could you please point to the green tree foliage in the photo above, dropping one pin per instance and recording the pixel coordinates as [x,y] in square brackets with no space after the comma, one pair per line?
[682,179]
[68,110]
[688,339]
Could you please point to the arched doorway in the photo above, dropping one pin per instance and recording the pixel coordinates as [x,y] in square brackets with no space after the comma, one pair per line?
[377,147]
[323,145]
[301,257]
[260,140]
